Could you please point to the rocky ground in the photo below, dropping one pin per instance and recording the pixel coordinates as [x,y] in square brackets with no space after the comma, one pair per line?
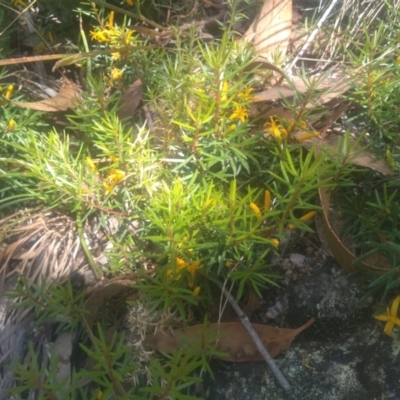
[343,355]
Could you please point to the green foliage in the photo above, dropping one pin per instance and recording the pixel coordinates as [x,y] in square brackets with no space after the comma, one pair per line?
[190,194]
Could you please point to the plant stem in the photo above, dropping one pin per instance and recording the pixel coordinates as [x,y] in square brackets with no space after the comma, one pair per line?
[259,344]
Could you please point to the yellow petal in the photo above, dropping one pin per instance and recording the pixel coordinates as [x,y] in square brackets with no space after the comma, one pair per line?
[275,242]
[111,20]
[381,317]
[180,263]
[196,291]
[9,92]
[91,164]
[193,267]
[389,328]
[256,210]
[307,136]
[308,216]
[395,307]
[267,201]
[231,128]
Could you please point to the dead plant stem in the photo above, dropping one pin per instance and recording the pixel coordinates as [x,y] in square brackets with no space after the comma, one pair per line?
[259,344]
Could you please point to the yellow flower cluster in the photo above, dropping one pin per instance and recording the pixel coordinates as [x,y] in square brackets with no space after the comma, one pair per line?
[281,130]
[240,113]
[191,268]
[112,34]
[116,74]
[276,130]
[113,178]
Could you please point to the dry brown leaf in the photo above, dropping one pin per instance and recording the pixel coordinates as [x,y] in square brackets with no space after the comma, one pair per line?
[261,64]
[230,337]
[265,110]
[363,158]
[130,100]
[340,252]
[65,99]
[271,29]
[368,159]
[336,88]
[274,93]
[100,296]
[253,304]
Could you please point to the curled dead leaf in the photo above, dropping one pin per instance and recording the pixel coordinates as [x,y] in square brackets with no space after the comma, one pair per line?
[130,100]
[343,255]
[230,337]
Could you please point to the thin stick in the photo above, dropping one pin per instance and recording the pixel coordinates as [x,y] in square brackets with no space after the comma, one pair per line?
[312,35]
[259,344]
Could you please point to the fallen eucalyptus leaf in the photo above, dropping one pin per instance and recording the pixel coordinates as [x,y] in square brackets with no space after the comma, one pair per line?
[271,29]
[230,337]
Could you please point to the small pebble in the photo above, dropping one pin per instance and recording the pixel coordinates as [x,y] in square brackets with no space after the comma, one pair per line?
[297,259]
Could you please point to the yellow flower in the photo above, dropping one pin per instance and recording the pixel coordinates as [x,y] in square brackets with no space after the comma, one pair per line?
[231,128]
[116,74]
[196,291]
[113,159]
[276,130]
[9,92]
[91,164]
[224,96]
[180,263]
[398,59]
[305,217]
[240,113]
[100,36]
[308,216]
[11,124]
[267,201]
[390,317]
[116,56]
[275,242]
[308,135]
[19,3]
[228,264]
[110,23]
[246,95]
[114,177]
[128,36]
[256,210]
[192,268]
[129,2]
